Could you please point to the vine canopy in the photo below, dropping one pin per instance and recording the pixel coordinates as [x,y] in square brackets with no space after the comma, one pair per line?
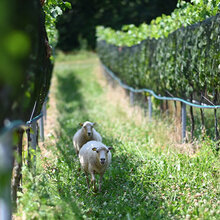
[185,64]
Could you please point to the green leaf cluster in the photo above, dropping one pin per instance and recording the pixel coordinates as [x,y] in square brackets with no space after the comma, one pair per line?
[184,64]
[52,9]
[185,14]
[77,26]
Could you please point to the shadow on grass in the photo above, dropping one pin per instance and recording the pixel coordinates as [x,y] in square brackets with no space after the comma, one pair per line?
[68,87]
[123,192]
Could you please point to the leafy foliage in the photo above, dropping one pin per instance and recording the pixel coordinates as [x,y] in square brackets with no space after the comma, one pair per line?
[185,14]
[183,64]
[52,9]
[77,26]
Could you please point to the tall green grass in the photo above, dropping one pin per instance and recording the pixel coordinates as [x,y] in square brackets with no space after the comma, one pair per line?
[145,180]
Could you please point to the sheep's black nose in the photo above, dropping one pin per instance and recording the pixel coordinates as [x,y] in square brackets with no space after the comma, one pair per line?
[102,160]
[89,133]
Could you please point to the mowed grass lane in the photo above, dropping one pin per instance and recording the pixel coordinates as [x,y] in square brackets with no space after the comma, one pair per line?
[148,179]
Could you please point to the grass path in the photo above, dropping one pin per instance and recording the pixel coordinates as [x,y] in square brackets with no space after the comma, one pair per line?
[148,178]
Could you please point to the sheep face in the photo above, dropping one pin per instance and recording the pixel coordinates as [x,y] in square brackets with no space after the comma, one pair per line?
[102,154]
[88,128]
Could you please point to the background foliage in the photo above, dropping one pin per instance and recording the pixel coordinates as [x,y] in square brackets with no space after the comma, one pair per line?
[52,9]
[184,64]
[185,14]
[77,26]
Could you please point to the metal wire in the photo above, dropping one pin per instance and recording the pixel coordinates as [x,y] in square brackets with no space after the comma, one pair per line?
[35,119]
[10,125]
[154,94]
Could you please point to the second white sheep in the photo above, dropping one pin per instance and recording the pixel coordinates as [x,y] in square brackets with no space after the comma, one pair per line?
[86,133]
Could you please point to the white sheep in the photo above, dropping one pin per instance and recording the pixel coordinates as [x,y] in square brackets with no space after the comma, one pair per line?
[95,158]
[86,133]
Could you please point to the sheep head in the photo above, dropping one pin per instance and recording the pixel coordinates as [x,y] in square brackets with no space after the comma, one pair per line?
[88,128]
[102,154]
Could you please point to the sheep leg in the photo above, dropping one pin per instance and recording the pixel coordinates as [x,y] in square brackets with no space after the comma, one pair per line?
[93,181]
[100,182]
[87,180]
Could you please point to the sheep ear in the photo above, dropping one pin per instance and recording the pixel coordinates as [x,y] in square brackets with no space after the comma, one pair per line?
[94,149]
[93,124]
[110,148]
[81,124]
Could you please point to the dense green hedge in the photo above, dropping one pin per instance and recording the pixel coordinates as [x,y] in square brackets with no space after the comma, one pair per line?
[186,64]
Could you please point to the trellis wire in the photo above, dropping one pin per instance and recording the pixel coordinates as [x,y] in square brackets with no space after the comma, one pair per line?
[35,119]
[183,102]
[154,94]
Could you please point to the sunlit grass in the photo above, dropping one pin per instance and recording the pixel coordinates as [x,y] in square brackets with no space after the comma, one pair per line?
[147,179]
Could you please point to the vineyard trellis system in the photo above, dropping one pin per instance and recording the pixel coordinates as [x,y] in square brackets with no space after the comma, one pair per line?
[24,84]
[150,108]
[186,64]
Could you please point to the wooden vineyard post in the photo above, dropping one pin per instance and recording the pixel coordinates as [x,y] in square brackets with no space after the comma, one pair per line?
[183,116]
[149,108]
[32,143]
[43,119]
[131,98]
[44,110]
[41,125]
